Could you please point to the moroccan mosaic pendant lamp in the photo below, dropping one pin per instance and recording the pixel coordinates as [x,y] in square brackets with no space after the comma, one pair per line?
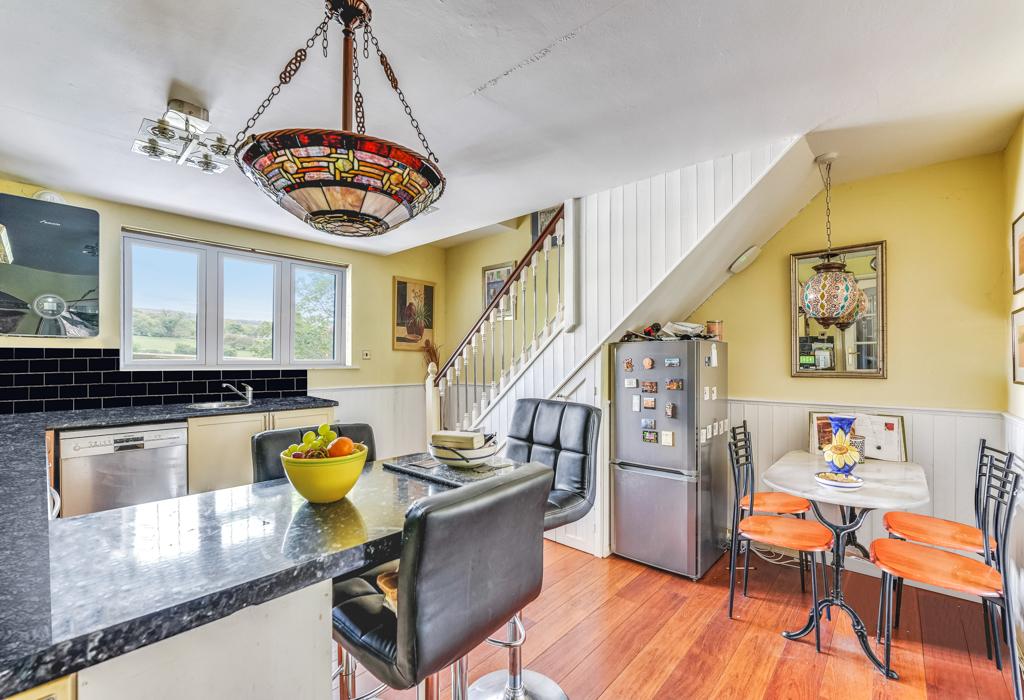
[831,296]
[341,182]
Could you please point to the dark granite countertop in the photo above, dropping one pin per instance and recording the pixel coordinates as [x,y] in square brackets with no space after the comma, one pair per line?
[121,579]
[28,596]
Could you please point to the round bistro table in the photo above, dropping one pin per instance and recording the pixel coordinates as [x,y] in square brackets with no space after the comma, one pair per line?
[887,485]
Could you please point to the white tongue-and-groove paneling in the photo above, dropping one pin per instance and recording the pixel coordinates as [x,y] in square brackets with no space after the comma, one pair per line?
[654,250]
[394,411]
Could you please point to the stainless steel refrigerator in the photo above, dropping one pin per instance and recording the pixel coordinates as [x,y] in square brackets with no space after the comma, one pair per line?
[670,467]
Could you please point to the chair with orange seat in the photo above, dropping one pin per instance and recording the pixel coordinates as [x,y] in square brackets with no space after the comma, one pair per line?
[900,559]
[772,502]
[949,534]
[805,536]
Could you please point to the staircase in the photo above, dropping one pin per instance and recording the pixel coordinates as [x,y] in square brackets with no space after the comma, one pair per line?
[618,259]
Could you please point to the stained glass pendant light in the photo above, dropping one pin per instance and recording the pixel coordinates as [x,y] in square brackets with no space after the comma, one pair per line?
[342,182]
[831,296]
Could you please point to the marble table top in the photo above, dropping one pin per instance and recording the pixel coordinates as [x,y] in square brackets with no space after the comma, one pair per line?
[887,485]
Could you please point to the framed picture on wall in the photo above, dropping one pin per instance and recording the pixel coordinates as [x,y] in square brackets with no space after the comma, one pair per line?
[1017,324]
[412,310]
[1017,243]
[495,277]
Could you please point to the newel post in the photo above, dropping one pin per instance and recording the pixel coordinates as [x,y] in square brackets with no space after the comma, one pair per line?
[433,403]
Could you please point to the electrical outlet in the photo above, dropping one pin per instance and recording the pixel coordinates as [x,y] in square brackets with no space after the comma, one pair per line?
[366,354]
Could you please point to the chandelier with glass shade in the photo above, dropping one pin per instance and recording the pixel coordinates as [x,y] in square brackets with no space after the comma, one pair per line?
[831,296]
[342,182]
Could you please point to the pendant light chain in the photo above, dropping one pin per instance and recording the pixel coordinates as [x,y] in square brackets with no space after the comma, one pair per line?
[287,73]
[357,96]
[828,205]
[393,79]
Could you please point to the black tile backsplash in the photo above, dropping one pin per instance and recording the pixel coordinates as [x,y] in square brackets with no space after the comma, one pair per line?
[62,379]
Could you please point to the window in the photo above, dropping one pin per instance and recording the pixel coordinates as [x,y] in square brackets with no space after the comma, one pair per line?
[199,305]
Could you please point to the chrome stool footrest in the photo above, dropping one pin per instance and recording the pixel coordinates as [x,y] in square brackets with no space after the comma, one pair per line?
[515,683]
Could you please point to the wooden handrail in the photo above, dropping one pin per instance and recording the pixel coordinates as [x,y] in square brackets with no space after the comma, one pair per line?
[523,263]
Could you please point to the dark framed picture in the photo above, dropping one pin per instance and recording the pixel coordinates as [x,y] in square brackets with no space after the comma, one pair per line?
[1017,245]
[539,221]
[1017,323]
[495,277]
[412,308]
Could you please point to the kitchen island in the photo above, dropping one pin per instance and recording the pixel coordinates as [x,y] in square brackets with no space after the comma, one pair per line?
[123,579]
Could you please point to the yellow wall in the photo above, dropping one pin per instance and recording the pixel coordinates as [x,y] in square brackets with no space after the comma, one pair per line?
[1013,169]
[947,276]
[370,285]
[464,264]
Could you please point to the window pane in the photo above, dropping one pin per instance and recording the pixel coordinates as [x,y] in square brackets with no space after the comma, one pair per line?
[164,303]
[248,329]
[314,303]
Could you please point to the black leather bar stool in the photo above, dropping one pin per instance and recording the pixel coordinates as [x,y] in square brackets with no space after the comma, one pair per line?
[471,557]
[563,436]
[268,446]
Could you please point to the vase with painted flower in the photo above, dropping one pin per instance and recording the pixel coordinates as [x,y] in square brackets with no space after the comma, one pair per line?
[840,454]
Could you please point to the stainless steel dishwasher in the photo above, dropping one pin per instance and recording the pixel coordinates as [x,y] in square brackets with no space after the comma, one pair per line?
[106,468]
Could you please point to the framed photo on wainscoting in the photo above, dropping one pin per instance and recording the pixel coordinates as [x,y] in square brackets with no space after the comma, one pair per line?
[1017,350]
[1017,253]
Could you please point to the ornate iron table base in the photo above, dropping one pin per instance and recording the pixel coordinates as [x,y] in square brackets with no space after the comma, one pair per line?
[845,535]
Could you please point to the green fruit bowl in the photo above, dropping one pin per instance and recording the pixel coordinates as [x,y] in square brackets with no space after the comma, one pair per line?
[325,480]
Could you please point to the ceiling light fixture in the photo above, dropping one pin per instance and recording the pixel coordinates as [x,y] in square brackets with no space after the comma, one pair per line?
[745,259]
[831,296]
[182,135]
[341,182]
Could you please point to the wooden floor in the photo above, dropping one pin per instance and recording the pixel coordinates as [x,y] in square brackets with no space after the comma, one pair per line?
[612,628]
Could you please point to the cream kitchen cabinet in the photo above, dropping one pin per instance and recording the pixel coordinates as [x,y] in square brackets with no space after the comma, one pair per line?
[302,418]
[220,447]
[59,689]
[220,450]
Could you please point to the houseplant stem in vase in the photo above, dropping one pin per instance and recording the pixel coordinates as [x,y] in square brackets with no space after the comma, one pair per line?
[840,455]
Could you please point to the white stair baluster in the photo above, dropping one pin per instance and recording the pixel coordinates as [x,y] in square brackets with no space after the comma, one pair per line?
[476,384]
[536,327]
[526,336]
[502,303]
[547,283]
[493,375]
[457,418]
[449,394]
[484,393]
[514,299]
[560,244]
[464,423]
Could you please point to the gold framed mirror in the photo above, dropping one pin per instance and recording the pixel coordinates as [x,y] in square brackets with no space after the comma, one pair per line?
[857,351]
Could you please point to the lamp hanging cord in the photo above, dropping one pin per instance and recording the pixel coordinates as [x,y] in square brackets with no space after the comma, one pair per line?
[285,77]
[828,205]
[393,79]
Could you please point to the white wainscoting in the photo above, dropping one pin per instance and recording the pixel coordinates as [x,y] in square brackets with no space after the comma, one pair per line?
[395,411]
[944,442]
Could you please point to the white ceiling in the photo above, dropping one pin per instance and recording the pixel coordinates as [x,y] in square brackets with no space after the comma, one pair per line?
[526,103]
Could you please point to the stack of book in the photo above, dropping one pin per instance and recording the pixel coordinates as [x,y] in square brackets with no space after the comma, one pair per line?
[457,439]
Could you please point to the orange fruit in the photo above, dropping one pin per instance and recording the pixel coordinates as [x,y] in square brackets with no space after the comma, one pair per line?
[341,447]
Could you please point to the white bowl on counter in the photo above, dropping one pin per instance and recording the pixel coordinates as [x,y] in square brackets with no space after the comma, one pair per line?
[463,458]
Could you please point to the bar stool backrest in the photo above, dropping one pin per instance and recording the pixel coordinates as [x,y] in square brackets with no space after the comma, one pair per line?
[268,446]
[998,502]
[472,557]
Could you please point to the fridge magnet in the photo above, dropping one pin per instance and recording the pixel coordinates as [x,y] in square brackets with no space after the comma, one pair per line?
[630,382]
[651,436]
[670,410]
[649,402]
[647,423]
[649,387]
[668,438]
[648,363]
[674,385]
[636,402]
[671,361]
[627,364]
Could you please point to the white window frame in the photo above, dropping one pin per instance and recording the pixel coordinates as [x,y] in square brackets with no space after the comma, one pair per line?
[210,311]
[340,314]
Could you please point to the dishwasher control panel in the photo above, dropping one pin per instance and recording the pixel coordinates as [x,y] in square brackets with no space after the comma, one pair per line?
[109,440]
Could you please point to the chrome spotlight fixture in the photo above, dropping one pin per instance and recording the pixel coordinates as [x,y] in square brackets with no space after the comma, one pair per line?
[182,135]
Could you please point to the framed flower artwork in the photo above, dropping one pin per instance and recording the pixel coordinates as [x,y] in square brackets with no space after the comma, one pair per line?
[413,313]
[1017,245]
[1017,324]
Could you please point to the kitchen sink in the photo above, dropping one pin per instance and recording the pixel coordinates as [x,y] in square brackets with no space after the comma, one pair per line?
[210,405]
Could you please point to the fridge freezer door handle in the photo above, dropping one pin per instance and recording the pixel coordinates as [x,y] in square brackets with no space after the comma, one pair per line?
[674,476]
